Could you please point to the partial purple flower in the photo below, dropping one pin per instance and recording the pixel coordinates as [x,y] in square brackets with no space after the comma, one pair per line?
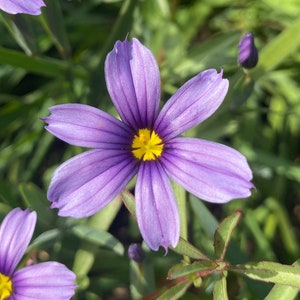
[248,54]
[30,7]
[147,143]
[47,281]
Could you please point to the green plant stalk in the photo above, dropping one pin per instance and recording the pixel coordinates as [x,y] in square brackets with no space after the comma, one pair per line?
[180,196]
[277,50]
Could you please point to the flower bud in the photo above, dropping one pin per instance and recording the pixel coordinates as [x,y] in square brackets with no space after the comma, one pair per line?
[248,54]
[136,253]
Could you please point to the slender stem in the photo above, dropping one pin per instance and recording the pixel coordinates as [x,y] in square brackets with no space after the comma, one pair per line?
[180,195]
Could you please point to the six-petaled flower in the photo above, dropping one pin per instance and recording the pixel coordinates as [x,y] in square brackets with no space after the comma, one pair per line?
[146,142]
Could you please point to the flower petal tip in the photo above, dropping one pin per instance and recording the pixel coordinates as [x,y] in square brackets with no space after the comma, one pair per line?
[32,7]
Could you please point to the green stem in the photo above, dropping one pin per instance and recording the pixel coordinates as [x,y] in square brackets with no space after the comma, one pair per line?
[180,195]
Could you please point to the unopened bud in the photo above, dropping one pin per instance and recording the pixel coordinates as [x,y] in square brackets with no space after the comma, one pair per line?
[136,253]
[248,54]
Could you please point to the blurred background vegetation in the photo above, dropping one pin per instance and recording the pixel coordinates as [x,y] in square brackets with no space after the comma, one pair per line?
[58,57]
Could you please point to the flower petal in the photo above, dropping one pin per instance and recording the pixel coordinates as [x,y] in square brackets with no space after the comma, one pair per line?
[47,281]
[133,82]
[32,7]
[86,126]
[194,102]
[87,182]
[156,207]
[15,234]
[211,171]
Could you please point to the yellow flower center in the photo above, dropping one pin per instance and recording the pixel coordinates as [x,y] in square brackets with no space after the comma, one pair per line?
[5,287]
[147,145]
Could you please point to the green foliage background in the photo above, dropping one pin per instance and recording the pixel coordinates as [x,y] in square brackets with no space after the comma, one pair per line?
[58,58]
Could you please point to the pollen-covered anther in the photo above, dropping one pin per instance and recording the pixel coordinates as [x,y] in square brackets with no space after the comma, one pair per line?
[5,287]
[147,145]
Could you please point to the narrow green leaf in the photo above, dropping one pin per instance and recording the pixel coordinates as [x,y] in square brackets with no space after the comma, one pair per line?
[85,255]
[22,28]
[142,279]
[54,24]
[138,283]
[47,67]
[224,233]
[278,49]
[98,237]
[176,291]
[36,200]
[210,225]
[46,238]
[288,236]
[185,248]
[270,272]
[128,200]
[283,292]
[208,221]
[180,196]
[262,242]
[220,289]
[204,267]
[38,155]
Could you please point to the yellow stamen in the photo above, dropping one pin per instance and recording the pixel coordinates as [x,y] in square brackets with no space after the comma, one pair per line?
[5,287]
[147,145]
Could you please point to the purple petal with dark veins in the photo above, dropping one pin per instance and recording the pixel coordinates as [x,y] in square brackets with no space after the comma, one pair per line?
[86,126]
[133,82]
[211,171]
[193,103]
[87,182]
[47,281]
[15,234]
[156,207]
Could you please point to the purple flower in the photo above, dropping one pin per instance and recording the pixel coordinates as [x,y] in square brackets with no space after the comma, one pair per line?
[248,54]
[48,280]
[31,7]
[147,143]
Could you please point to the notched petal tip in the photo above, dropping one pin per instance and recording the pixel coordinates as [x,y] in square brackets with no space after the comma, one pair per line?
[133,82]
[16,231]
[193,103]
[164,243]
[211,171]
[158,218]
[86,126]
